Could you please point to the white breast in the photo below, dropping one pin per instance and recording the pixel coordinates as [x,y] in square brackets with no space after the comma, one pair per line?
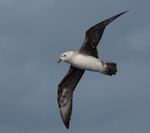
[86,62]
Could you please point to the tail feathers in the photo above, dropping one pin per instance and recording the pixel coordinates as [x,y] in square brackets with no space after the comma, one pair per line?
[110,68]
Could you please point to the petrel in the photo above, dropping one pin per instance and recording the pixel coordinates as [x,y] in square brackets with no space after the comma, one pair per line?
[86,58]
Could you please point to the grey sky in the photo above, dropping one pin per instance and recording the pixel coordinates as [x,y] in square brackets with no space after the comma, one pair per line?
[33,33]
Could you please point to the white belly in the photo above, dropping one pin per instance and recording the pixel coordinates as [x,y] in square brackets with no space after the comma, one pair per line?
[86,63]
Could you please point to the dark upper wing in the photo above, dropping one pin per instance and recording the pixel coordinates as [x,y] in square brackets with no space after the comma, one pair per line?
[93,36]
[65,93]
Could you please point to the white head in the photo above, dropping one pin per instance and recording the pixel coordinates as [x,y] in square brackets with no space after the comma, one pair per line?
[66,56]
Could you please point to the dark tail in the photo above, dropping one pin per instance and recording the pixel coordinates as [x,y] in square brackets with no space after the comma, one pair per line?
[110,68]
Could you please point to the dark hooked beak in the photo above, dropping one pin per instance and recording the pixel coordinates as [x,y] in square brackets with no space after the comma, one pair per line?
[59,60]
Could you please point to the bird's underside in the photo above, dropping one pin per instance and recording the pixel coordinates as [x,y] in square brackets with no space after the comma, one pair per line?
[73,76]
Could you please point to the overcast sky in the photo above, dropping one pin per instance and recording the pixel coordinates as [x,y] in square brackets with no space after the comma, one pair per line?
[33,33]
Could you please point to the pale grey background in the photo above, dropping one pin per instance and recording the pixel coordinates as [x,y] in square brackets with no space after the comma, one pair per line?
[33,33]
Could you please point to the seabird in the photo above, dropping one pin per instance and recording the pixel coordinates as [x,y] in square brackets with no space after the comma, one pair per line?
[86,58]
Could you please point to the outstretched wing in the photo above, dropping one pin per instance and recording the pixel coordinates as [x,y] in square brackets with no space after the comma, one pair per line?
[65,93]
[93,36]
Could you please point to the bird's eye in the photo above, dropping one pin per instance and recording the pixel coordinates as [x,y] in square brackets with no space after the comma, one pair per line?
[64,55]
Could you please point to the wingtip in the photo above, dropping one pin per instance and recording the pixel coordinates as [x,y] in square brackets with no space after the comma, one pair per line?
[125,12]
[109,20]
[116,16]
[65,121]
[67,125]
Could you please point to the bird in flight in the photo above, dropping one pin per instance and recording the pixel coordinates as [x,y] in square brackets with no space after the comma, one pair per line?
[86,58]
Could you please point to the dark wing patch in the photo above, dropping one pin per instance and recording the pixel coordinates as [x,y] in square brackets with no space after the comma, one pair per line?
[65,93]
[93,36]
